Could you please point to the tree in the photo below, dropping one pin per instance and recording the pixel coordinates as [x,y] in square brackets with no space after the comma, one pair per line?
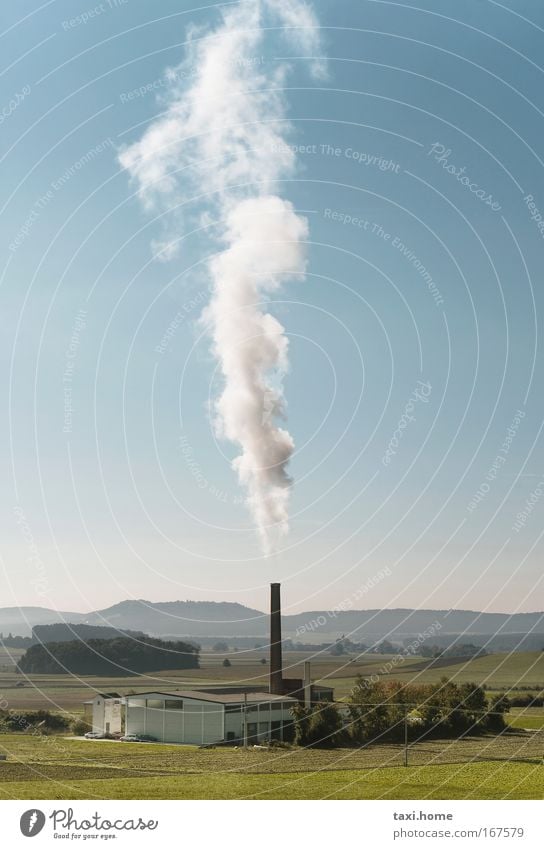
[227,662]
[220,647]
[263,660]
[119,656]
[320,726]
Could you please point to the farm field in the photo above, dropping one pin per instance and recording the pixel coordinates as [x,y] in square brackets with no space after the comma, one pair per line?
[58,767]
[9,657]
[67,692]
[526,718]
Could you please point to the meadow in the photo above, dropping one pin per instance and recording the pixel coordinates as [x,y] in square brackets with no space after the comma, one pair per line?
[507,766]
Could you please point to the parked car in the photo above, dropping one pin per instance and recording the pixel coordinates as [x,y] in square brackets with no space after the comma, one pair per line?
[131,738]
[94,735]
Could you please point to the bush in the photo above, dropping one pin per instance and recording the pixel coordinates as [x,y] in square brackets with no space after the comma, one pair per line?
[29,719]
[227,662]
[319,726]
[445,709]
[80,727]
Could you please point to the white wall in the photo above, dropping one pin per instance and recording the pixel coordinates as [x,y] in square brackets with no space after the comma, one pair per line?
[199,722]
[106,711]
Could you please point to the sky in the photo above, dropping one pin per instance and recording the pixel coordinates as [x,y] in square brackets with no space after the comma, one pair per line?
[413,394]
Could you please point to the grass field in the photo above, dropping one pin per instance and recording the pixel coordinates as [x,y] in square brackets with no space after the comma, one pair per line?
[66,692]
[57,768]
[532,718]
[469,781]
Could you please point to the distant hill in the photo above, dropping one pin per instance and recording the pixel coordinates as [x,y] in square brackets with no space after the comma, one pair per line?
[229,619]
[21,620]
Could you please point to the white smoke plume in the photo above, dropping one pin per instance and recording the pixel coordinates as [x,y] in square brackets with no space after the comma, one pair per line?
[224,135]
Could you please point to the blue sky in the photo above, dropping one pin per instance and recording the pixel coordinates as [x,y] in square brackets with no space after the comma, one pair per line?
[131,494]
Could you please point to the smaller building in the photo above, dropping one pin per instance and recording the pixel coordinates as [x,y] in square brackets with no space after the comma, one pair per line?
[104,713]
[200,717]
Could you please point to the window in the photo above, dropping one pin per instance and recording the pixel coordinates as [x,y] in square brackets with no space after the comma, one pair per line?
[155,703]
[251,728]
[276,706]
[233,708]
[263,727]
[173,704]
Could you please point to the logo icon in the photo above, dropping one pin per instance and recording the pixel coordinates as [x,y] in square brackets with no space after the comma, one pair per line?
[32,822]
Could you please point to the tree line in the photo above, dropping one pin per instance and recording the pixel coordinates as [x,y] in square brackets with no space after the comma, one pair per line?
[385,711]
[119,656]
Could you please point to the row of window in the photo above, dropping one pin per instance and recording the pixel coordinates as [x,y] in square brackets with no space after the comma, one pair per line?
[162,704]
[264,706]
[177,704]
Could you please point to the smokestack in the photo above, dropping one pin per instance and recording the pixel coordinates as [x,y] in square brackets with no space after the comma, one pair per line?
[276,676]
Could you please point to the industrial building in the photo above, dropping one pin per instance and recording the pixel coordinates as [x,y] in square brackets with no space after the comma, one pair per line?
[215,715]
[201,717]
[103,713]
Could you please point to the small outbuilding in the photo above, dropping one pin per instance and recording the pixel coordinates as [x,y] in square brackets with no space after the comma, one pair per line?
[209,717]
[104,713]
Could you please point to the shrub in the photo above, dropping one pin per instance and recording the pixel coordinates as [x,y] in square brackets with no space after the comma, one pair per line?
[25,720]
[319,726]
[80,727]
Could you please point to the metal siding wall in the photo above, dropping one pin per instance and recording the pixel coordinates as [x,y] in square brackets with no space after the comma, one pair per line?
[135,721]
[212,723]
[173,726]
[154,722]
[192,712]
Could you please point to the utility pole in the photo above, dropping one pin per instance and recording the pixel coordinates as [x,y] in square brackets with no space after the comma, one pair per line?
[405,736]
[244,721]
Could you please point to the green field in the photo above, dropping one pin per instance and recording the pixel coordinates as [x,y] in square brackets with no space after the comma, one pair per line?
[60,767]
[469,781]
[531,718]
[67,692]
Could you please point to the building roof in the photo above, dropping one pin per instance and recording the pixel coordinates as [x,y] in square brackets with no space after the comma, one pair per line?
[102,696]
[221,698]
